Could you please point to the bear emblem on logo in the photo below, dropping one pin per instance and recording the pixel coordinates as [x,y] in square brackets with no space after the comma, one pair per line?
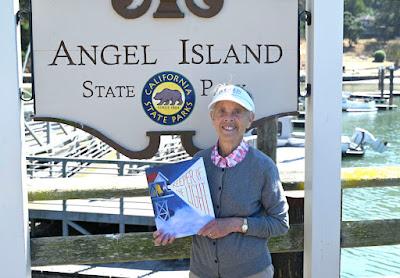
[168,98]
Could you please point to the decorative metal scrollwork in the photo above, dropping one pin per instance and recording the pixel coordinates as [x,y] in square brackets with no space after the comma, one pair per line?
[215,7]
[121,7]
[166,8]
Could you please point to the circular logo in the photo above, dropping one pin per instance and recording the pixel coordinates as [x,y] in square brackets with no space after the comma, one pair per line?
[168,98]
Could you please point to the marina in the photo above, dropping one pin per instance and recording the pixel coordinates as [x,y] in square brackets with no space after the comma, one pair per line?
[75,198]
[358,203]
[372,203]
[67,169]
[137,211]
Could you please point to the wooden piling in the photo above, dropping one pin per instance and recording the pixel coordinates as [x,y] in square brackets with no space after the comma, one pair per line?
[391,77]
[287,265]
[267,137]
[290,265]
[381,85]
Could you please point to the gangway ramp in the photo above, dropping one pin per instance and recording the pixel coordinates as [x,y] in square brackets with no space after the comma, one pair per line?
[136,210]
[76,199]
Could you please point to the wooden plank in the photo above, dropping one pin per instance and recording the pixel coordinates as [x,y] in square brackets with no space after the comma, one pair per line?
[370,233]
[128,247]
[86,188]
[139,246]
[386,106]
[104,249]
[86,193]
[370,176]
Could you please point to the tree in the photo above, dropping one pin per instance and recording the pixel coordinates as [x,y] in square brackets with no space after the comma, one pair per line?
[355,7]
[352,28]
[373,4]
[25,29]
[388,20]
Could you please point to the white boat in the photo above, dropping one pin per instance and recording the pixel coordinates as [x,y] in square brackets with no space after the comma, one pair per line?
[286,138]
[358,104]
[360,138]
[350,146]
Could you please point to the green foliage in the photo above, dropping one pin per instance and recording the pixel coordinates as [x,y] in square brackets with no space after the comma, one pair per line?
[373,4]
[379,56]
[393,52]
[385,14]
[301,8]
[302,5]
[355,7]
[24,4]
[25,35]
[388,20]
[25,29]
[352,28]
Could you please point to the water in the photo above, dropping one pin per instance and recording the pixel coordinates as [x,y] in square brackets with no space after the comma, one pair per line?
[372,203]
[384,125]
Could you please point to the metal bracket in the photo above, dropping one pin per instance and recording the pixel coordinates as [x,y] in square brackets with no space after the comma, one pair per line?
[307,17]
[21,14]
[307,91]
[21,95]
[18,17]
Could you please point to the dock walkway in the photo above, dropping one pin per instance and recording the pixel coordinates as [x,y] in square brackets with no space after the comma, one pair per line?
[136,210]
[148,269]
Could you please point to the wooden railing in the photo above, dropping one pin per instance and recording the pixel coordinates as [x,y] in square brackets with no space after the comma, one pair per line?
[85,188]
[139,246]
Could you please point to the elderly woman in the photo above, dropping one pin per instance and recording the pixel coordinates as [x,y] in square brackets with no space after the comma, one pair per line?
[247,195]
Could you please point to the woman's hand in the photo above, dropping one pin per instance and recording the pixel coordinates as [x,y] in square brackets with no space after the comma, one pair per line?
[221,227]
[161,238]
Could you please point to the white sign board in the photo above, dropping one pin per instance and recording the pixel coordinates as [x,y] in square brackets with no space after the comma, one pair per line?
[121,71]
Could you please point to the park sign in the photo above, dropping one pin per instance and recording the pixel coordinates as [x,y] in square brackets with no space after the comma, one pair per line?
[127,71]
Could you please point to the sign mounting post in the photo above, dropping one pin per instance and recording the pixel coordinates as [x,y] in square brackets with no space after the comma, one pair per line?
[14,233]
[322,200]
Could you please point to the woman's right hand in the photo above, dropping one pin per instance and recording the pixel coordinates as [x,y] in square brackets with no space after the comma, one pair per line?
[161,238]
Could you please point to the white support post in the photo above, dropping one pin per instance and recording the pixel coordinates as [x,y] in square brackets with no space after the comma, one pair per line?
[322,207]
[14,234]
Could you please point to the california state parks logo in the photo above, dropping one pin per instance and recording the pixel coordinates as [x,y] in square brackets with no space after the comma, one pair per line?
[168,98]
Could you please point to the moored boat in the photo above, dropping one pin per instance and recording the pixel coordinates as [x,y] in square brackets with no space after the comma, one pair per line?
[358,104]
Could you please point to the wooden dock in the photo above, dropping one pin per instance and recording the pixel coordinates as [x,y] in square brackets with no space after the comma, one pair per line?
[386,106]
[148,269]
[90,249]
[299,123]
[374,94]
[136,210]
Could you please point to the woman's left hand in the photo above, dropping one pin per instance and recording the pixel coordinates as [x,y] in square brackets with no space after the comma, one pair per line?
[221,227]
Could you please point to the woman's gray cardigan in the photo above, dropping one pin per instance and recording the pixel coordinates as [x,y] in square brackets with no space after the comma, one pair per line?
[251,189]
